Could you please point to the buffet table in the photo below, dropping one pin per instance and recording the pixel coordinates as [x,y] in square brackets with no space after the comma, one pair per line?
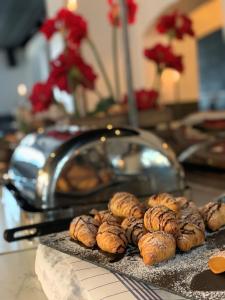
[17,262]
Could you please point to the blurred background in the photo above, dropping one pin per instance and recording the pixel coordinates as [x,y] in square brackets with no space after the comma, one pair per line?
[177,65]
[25,53]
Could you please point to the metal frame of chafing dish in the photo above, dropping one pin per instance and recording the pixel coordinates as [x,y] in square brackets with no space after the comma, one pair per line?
[57,160]
[45,196]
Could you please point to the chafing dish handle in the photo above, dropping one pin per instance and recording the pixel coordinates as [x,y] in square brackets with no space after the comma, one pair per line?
[35,230]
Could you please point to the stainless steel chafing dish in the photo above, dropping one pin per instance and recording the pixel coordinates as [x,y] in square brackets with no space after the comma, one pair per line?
[64,167]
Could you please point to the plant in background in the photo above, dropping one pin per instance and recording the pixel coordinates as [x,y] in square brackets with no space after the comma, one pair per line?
[41,97]
[70,71]
[145,99]
[164,58]
[115,20]
[175,26]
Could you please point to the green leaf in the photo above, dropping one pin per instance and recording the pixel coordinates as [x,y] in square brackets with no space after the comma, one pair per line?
[104,105]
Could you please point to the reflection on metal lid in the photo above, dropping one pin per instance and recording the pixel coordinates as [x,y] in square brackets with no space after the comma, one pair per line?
[31,156]
[154,158]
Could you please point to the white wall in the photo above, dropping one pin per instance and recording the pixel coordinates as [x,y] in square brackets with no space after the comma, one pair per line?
[9,79]
[31,67]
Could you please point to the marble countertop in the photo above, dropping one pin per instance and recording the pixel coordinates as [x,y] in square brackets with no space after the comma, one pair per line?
[17,277]
[18,280]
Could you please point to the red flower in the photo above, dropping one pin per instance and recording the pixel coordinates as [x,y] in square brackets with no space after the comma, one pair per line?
[70,66]
[186,27]
[80,72]
[66,16]
[114,13]
[164,58]
[176,63]
[58,73]
[73,26]
[48,28]
[145,99]
[88,76]
[41,97]
[60,81]
[176,25]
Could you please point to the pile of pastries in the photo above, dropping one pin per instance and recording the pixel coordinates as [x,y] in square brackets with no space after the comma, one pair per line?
[82,178]
[157,227]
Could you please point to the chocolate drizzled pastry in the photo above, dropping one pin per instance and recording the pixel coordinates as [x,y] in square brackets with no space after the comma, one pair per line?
[125,205]
[156,247]
[105,215]
[134,229]
[188,216]
[186,204]
[189,236]
[84,229]
[164,199]
[161,218]
[213,215]
[111,238]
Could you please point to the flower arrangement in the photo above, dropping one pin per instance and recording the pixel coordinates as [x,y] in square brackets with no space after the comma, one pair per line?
[145,99]
[174,26]
[70,71]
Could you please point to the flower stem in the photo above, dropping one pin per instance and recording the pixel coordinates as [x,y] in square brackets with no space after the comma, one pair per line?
[101,66]
[98,94]
[76,113]
[115,54]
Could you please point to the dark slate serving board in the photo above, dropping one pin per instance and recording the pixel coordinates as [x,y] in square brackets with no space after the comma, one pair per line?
[187,274]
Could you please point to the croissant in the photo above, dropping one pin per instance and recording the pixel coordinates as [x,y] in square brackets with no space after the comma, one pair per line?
[156,247]
[84,229]
[161,218]
[134,229]
[189,216]
[165,200]
[213,215]
[185,204]
[111,238]
[190,236]
[105,215]
[125,205]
